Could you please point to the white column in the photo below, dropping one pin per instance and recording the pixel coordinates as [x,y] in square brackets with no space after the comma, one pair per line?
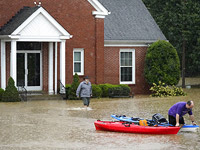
[50,81]
[62,63]
[13,61]
[56,62]
[3,65]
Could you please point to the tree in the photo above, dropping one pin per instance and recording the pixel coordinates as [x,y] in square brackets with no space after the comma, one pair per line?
[162,64]
[11,94]
[180,22]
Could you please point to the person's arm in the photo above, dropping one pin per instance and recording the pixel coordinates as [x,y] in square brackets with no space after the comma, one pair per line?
[177,120]
[192,119]
[78,90]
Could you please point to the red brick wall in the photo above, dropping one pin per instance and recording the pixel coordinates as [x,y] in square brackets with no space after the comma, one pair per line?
[112,68]
[99,70]
[75,16]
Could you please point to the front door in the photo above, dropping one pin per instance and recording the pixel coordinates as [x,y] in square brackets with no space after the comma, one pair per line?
[29,70]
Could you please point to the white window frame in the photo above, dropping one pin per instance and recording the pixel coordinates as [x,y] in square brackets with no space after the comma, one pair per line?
[133,66]
[81,50]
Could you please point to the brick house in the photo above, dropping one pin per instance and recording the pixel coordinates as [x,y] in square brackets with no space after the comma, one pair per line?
[46,43]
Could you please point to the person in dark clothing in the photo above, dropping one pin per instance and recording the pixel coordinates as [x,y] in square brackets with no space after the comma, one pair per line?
[178,110]
[84,91]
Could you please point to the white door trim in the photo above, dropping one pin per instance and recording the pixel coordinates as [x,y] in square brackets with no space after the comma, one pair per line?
[32,88]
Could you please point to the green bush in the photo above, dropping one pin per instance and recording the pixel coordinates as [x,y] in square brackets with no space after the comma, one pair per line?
[162,64]
[67,87]
[11,94]
[1,93]
[119,91]
[104,88]
[161,90]
[126,89]
[73,88]
[96,91]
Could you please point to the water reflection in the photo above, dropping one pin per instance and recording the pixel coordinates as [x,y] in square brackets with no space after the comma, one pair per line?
[61,125]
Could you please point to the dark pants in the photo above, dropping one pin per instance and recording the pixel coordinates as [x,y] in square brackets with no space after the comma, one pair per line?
[86,101]
[172,120]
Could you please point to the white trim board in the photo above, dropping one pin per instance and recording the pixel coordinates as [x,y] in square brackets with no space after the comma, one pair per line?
[127,43]
[101,11]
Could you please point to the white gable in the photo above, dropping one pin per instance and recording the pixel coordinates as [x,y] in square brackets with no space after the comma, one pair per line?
[41,26]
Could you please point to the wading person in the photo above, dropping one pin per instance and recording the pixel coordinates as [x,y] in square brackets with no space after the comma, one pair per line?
[178,110]
[84,91]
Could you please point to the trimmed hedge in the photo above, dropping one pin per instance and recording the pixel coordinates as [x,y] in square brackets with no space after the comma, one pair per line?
[120,91]
[106,90]
[162,64]
[96,91]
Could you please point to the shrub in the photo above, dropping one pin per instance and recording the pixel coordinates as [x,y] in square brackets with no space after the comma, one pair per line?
[1,93]
[11,94]
[162,64]
[161,90]
[96,91]
[119,91]
[126,89]
[67,87]
[73,88]
[104,88]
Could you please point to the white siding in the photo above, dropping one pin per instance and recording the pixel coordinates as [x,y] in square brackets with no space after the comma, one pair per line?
[40,26]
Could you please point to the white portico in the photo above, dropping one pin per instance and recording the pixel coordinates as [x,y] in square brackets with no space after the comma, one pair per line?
[33,26]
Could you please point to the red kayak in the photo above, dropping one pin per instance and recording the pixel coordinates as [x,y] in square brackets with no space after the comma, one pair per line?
[133,128]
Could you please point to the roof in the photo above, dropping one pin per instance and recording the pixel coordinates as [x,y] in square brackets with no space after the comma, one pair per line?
[130,20]
[17,20]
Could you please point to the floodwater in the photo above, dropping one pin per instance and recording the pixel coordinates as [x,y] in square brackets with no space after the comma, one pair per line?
[63,125]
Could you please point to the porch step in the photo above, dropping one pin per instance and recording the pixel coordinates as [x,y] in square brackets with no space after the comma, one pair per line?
[44,97]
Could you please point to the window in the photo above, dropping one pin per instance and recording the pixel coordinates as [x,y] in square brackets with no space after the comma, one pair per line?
[29,46]
[127,66]
[78,64]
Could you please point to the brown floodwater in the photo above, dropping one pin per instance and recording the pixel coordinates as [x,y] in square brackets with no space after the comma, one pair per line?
[63,125]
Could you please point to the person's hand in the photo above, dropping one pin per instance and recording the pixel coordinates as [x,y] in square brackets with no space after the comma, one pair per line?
[194,123]
[177,125]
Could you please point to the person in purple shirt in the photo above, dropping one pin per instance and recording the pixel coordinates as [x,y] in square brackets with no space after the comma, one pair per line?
[178,110]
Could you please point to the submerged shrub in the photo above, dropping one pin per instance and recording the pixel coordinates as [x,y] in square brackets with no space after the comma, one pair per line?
[105,88]
[67,87]
[161,90]
[73,87]
[1,93]
[96,91]
[119,91]
[11,94]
